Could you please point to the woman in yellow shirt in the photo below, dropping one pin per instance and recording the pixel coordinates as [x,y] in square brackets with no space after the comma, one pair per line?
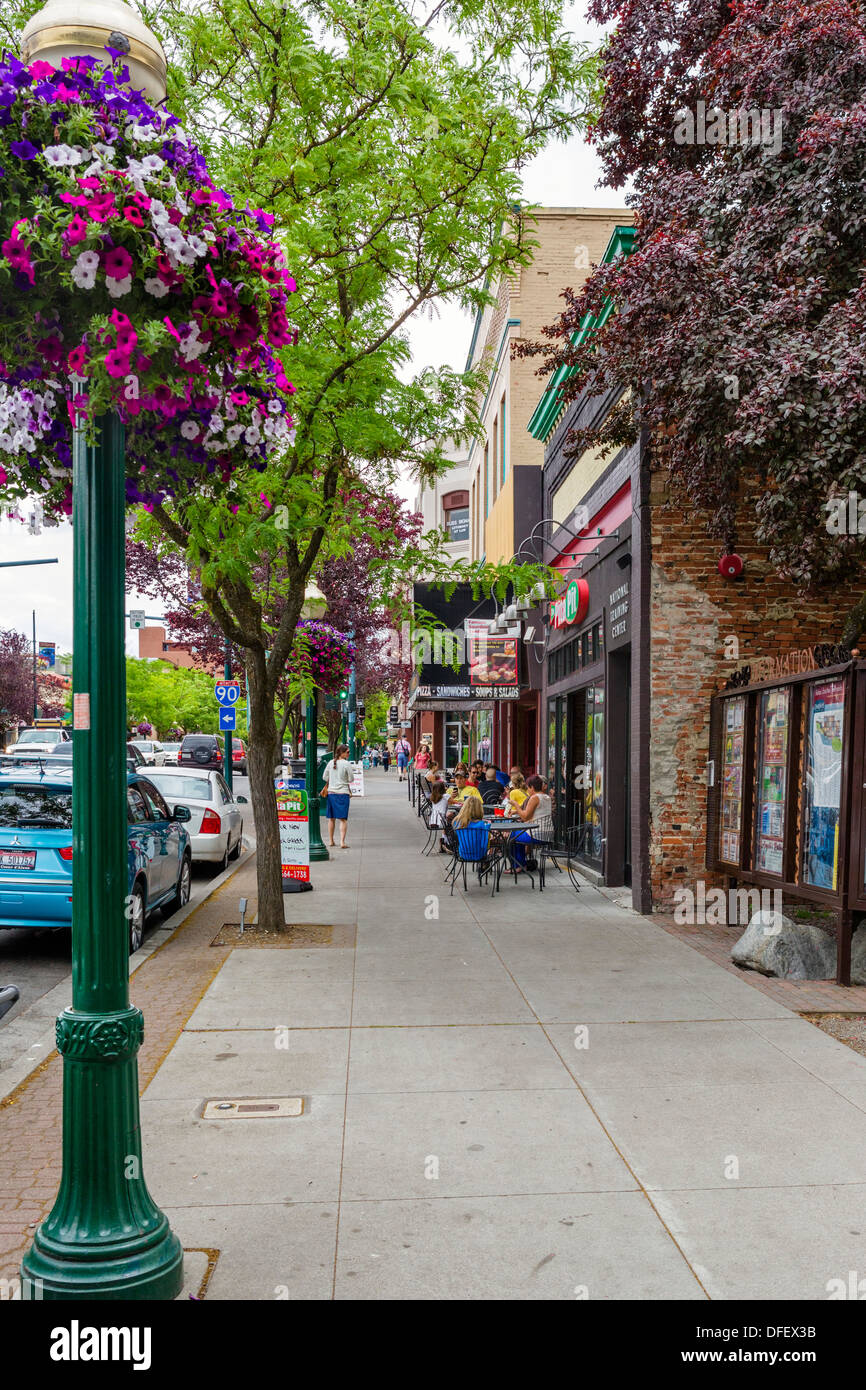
[517,793]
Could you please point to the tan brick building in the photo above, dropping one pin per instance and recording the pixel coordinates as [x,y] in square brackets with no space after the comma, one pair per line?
[504,477]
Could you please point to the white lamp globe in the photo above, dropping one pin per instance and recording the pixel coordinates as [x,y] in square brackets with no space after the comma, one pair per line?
[82,28]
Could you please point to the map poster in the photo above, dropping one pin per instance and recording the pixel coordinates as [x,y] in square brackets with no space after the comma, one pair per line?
[294,819]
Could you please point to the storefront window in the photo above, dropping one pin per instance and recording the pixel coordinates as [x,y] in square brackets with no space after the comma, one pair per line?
[456,739]
[588,770]
[484,734]
[732,779]
[825,721]
[773,733]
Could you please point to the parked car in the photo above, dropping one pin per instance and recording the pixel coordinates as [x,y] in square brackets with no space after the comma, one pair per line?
[239,756]
[36,850]
[200,750]
[134,755]
[151,750]
[171,751]
[216,828]
[40,740]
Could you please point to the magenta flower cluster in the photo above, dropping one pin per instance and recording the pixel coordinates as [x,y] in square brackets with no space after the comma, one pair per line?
[129,282]
[323,654]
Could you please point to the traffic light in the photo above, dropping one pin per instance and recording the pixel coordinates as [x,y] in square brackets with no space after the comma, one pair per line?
[344,694]
[362,712]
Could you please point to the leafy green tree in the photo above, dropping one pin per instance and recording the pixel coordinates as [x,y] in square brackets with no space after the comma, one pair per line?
[388,144]
[170,696]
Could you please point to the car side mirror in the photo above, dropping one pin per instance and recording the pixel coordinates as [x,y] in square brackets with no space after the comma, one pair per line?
[182,813]
[241,800]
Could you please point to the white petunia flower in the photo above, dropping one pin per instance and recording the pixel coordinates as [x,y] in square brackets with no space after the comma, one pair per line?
[275,408]
[189,429]
[87,260]
[198,246]
[172,238]
[158,288]
[62,156]
[118,288]
[233,433]
[105,152]
[216,423]
[185,254]
[253,434]
[152,163]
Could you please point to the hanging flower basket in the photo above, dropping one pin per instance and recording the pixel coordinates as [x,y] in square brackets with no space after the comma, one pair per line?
[322,654]
[128,283]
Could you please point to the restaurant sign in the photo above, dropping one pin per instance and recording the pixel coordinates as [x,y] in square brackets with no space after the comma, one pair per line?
[573,606]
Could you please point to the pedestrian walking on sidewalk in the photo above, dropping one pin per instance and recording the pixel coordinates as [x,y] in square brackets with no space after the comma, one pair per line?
[337,789]
[403,750]
[386,757]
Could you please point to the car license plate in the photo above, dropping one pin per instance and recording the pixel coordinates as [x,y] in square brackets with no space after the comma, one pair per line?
[17,859]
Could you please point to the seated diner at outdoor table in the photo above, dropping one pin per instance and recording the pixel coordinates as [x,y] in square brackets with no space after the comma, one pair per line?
[491,790]
[462,789]
[538,808]
[517,792]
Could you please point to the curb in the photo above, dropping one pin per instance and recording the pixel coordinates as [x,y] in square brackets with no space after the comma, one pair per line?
[43,1046]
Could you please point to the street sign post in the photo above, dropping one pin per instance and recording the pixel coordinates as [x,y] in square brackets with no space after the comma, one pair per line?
[228,719]
[136,618]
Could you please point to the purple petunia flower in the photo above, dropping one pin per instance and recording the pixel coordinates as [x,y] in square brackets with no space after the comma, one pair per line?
[24,149]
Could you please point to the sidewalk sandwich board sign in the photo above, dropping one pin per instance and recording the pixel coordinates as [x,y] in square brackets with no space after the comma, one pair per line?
[294,818]
[356,785]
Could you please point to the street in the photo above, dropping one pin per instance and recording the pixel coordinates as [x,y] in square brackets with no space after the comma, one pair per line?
[37,961]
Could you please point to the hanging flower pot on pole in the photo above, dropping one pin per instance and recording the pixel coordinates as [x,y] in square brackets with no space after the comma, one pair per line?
[140,318]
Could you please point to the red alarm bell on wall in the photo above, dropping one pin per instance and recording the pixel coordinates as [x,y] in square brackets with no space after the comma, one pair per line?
[731,566]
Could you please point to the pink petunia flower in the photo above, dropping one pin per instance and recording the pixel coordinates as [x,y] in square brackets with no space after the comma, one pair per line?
[118,264]
[117,363]
[77,359]
[76,229]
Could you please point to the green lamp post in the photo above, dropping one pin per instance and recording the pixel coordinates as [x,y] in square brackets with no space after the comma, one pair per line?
[104,1238]
[314,606]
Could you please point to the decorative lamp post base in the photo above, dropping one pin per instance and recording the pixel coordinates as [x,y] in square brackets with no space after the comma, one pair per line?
[105,1237]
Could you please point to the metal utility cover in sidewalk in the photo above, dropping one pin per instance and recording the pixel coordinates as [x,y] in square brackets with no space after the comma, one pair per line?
[254,1108]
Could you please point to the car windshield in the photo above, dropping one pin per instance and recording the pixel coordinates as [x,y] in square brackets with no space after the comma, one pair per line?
[37,736]
[25,805]
[183,788]
[144,745]
[171,747]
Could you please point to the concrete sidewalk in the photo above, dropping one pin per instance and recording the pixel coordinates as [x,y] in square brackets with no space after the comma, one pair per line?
[519,1097]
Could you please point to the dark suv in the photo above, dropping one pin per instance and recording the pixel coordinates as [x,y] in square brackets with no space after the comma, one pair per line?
[200,750]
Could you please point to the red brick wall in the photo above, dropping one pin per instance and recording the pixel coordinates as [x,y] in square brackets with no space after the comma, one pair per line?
[693,609]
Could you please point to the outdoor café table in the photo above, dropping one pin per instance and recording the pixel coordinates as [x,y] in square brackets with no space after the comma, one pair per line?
[512,827]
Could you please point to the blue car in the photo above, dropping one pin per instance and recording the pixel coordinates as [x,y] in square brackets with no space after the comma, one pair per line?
[36,849]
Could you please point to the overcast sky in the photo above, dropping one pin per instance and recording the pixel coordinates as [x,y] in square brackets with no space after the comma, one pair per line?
[565,175]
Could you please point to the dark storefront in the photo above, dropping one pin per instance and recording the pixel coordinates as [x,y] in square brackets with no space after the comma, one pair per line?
[463,710]
[588,709]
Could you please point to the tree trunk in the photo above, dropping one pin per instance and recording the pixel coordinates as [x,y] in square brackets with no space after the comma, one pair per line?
[262,757]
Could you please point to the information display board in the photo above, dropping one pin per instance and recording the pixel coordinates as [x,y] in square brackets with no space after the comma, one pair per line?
[732,780]
[772,778]
[294,818]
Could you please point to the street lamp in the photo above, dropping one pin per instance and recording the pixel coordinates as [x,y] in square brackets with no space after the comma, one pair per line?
[315,605]
[104,1238]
